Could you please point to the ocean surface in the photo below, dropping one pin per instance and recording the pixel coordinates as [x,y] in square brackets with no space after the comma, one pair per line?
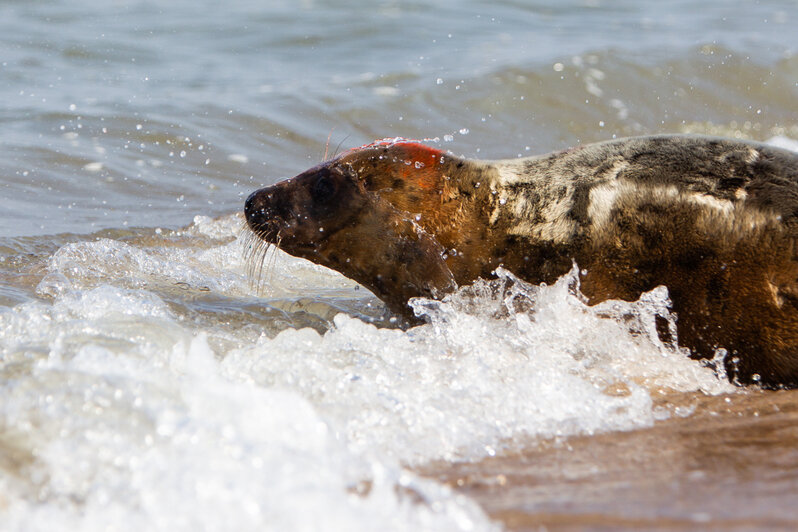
[150,380]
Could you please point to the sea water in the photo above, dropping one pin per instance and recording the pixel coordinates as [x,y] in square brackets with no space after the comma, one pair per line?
[137,393]
[151,380]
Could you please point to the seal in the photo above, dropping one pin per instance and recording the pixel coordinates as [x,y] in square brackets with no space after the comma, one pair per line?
[714,220]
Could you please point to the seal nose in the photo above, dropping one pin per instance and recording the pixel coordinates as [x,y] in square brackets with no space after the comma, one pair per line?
[249,203]
[256,207]
[260,209]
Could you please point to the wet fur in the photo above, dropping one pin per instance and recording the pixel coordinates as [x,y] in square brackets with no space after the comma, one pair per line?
[714,220]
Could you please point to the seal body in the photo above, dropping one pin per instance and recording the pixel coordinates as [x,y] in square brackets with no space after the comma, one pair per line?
[714,220]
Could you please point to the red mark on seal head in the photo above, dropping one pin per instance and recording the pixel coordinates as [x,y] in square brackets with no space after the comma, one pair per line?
[418,161]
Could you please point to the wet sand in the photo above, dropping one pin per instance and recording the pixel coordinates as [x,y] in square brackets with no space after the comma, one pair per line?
[730,465]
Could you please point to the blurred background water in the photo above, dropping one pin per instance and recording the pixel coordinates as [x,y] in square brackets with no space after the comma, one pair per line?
[147,384]
[143,113]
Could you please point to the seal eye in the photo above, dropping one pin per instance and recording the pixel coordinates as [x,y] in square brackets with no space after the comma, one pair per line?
[324,188]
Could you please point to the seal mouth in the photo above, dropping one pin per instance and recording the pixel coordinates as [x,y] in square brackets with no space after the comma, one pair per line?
[278,233]
[267,231]
[263,234]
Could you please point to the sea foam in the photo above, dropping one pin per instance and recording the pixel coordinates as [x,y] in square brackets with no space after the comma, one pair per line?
[138,406]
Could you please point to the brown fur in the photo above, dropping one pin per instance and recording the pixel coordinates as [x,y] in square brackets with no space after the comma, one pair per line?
[714,220]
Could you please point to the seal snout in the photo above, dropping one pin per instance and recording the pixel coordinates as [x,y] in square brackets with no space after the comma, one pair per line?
[255,207]
[260,213]
[251,206]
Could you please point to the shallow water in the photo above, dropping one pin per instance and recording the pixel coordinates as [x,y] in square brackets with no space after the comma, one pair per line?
[150,382]
[729,462]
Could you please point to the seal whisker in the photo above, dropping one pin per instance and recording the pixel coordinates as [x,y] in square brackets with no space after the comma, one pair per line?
[270,266]
[248,239]
[261,262]
[258,280]
[338,148]
[268,262]
[255,249]
[327,145]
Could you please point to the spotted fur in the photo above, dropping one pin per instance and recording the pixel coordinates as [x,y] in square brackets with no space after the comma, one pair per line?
[714,220]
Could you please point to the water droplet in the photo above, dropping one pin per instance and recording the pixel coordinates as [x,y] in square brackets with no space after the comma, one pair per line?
[419,164]
[464,131]
[439,81]
[448,138]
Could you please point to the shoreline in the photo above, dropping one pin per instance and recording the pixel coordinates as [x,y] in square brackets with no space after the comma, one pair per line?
[730,465]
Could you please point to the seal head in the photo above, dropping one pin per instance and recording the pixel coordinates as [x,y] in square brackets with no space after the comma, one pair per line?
[342,214]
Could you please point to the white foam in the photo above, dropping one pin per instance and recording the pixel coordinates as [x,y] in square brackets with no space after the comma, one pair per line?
[780,141]
[185,260]
[138,418]
[169,445]
[217,228]
[467,382]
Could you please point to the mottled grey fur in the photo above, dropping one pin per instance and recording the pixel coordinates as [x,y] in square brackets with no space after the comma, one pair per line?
[550,195]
